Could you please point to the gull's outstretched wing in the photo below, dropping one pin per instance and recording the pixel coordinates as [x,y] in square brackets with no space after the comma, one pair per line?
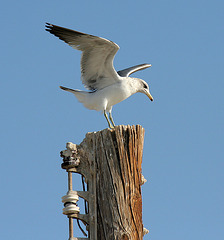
[128,71]
[97,56]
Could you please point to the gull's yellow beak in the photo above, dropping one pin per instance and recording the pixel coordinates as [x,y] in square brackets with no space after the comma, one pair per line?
[149,95]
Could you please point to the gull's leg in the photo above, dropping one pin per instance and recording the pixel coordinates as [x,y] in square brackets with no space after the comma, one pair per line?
[105,115]
[111,119]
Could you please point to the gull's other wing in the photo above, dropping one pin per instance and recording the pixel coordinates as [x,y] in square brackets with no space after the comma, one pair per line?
[97,68]
[128,71]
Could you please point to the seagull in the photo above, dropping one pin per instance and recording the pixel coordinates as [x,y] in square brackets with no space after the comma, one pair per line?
[106,86]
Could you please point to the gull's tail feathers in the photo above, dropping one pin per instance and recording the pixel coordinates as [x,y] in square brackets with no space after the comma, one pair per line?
[81,95]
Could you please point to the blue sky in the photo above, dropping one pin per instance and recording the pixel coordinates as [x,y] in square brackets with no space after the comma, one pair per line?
[183,151]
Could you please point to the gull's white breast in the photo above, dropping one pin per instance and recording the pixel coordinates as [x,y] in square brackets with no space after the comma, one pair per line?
[105,98]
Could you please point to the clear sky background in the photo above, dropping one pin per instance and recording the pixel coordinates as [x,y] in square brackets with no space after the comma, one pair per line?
[183,152]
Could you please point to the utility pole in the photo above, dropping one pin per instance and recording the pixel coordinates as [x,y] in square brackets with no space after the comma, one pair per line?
[110,164]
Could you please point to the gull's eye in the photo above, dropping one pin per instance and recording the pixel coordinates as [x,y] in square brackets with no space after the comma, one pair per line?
[145,86]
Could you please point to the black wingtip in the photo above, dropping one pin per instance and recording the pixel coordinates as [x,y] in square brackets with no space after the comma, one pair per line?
[64,88]
[48,26]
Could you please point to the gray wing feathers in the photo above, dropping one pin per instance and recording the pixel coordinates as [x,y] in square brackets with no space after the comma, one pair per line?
[97,56]
[128,71]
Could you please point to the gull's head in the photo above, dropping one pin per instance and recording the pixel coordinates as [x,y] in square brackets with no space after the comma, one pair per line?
[144,88]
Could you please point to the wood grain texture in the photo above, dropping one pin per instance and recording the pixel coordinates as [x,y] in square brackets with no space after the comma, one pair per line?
[117,157]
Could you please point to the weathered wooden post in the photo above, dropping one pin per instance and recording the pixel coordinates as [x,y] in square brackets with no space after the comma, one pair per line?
[110,161]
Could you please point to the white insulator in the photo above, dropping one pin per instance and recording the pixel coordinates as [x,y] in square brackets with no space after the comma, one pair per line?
[69,201]
[71,208]
[71,196]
